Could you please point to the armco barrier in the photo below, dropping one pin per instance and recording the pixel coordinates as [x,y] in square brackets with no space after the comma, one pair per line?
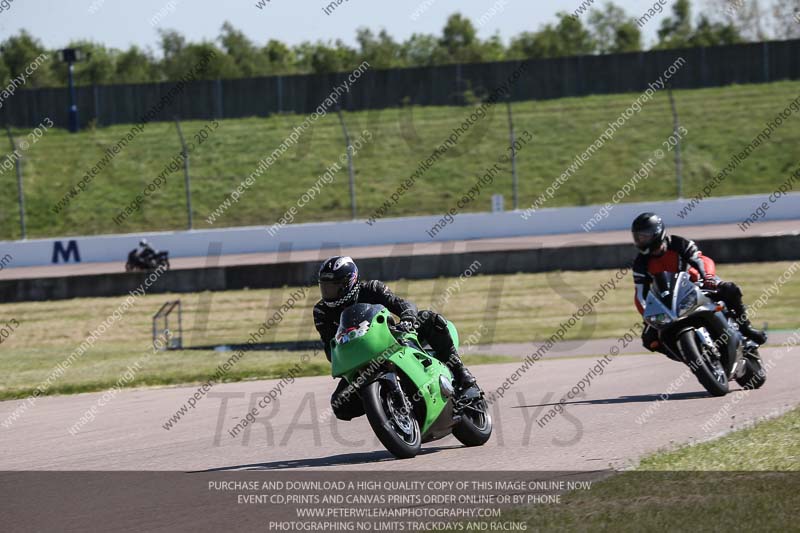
[589,257]
[468,226]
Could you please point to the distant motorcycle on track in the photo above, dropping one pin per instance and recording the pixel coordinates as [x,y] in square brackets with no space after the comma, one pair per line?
[408,395]
[148,263]
[702,334]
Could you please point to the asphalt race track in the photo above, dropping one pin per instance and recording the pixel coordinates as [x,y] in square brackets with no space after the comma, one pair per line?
[617,420]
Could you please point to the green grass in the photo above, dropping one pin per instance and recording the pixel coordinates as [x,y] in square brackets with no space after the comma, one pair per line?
[97,373]
[720,122]
[514,308]
[770,445]
[745,481]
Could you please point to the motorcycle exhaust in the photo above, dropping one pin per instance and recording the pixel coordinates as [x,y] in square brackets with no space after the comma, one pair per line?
[447,388]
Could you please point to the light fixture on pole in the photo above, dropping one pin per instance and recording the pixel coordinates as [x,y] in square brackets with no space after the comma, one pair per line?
[70,56]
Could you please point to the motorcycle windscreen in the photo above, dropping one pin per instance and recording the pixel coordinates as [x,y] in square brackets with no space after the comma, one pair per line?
[362,337]
[353,320]
[664,284]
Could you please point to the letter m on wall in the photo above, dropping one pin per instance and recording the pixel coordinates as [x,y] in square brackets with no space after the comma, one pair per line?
[65,253]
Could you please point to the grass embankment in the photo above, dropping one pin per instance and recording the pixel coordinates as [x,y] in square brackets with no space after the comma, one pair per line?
[720,122]
[745,481]
[513,308]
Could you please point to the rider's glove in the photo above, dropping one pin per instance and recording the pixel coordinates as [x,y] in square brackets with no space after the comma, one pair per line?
[710,282]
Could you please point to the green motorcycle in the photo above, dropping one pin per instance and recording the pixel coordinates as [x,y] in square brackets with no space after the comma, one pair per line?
[408,395]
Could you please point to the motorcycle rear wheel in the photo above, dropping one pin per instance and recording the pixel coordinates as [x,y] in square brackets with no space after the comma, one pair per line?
[398,432]
[475,426]
[754,376]
[710,374]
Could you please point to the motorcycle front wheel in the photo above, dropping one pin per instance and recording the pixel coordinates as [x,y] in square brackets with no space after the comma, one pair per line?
[397,429]
[706,367]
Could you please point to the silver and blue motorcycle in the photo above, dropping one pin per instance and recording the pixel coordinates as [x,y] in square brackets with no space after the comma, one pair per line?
[703,334]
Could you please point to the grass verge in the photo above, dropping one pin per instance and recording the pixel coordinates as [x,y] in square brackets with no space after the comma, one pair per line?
[184,368]
[748,480]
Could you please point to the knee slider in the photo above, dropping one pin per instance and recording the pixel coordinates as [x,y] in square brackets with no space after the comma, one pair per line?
[344,415]
[345,408]
[730,289]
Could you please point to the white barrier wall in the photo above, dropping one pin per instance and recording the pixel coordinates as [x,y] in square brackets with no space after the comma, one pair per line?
[109,248]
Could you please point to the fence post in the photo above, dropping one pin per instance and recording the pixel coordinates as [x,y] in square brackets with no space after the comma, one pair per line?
[187,180]
[513,142]
[280,94]
[220,105]
[349,162]
[96,98]
[20,193]
[676,125]
[461,99]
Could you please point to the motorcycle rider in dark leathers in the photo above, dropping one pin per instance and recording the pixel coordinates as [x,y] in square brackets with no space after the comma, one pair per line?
[659,252]
[340,288]
[142,254]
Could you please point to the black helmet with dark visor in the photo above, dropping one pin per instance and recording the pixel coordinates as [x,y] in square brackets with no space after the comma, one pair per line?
[338,281]
[648,232]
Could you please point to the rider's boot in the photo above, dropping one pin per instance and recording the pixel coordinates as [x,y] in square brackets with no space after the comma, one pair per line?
[463,378]
[732,296]
[756,335]
[746,328]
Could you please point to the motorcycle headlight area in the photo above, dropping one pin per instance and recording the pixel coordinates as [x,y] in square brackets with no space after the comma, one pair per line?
[687,303]
[344,336]
[659,319]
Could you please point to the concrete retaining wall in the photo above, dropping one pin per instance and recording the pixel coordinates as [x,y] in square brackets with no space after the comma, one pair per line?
[590,257]
[110,248]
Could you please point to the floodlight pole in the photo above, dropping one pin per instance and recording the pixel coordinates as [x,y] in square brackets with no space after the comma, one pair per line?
[70,56]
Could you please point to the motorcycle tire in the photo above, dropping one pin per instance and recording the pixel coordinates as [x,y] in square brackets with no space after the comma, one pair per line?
[715,383]
[375,397]
[475,428]
[754,375]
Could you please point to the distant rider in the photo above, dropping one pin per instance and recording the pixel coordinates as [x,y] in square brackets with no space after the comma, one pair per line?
[143,254]
[659,252]
[340,288]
